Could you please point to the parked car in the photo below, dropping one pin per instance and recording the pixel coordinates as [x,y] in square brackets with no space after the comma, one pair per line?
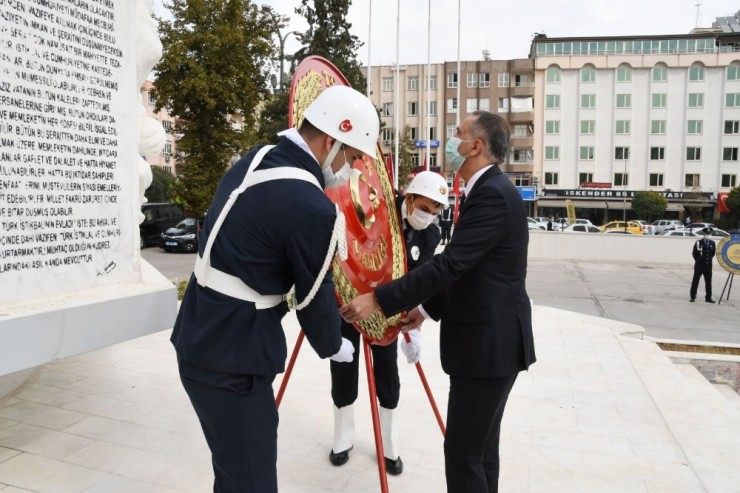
[633,226]
[619,232]
[584,221]
[541,219]
[663,225]
[699,226]
[534,224]
[183,236]
[581,228]
[646,226]
[680,232]
[158,217]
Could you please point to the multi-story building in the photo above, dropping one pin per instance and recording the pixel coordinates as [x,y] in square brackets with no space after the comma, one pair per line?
[501,86]
[615,115]
[166,158]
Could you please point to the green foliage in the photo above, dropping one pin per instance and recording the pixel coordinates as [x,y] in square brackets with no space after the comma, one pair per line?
[216,64]
[273,118]
[405,165]
[159,190]
[733,202]
[649,205]
[328,36]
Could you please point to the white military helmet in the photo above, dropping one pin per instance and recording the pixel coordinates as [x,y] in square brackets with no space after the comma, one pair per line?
[431,185]
[348,116]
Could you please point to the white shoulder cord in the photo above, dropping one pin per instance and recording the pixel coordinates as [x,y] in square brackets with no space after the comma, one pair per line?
[338,241]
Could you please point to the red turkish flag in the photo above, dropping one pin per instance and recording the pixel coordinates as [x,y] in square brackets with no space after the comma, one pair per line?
[722,202]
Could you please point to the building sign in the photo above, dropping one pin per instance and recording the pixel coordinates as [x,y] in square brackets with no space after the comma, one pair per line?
[605,194]
[423,143]
[527,193]
[596,184]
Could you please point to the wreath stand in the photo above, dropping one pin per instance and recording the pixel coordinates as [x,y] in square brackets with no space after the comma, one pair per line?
[730,277]
[373,399]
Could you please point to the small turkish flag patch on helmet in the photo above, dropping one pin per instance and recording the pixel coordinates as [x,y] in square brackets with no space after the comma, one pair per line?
[345,126]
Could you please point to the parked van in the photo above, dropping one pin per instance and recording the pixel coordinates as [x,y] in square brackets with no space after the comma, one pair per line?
[158,218]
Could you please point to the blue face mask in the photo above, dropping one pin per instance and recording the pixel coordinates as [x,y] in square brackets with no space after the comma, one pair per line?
[453,156]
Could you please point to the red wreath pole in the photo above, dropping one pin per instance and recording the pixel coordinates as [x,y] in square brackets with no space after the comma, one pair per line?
[428,390]
[289,370]
[376,418]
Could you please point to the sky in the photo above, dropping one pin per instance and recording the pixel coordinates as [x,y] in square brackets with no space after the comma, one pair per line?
[504,28]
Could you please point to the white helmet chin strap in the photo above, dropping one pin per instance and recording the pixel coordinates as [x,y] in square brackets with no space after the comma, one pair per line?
[332,154]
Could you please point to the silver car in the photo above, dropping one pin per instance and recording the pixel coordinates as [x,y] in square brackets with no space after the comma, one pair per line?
[663,225]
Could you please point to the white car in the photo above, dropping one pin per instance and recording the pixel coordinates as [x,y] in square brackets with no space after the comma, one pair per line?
[680,232]
[581,228]
[618,232]
[534,224]
[663,225]
[584,221]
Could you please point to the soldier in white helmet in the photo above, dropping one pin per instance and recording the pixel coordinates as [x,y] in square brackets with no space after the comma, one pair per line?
[270,227]
[425,197]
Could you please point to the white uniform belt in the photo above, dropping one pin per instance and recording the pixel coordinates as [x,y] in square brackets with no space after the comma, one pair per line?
[227,284]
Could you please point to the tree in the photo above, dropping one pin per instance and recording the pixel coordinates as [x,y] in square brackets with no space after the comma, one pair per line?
[649,205]
[216,65]
[733,202]
[273,118]
[405,165]
[159,190]
[328,36]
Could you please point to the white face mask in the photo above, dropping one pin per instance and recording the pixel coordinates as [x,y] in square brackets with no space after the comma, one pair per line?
[419,219]
[706,237]
[331,179]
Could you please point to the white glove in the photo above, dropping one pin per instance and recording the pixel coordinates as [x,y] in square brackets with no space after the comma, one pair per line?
[344,355]
[412,349]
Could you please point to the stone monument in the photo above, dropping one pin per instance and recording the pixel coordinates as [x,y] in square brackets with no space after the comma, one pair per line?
[72,179]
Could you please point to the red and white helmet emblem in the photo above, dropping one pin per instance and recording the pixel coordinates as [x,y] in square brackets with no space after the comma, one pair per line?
[345,126]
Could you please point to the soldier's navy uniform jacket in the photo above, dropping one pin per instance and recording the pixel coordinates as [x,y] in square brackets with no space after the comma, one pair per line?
[385,358]
[703,253]
[276,235]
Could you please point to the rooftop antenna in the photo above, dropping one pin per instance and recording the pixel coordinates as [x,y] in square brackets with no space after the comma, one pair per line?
[698,14]
[486,54]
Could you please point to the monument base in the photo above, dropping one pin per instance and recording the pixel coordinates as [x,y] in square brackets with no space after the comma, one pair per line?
[56,327]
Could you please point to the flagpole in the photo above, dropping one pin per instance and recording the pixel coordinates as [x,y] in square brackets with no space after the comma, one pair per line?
[428,137]
[369,46]
[395,92]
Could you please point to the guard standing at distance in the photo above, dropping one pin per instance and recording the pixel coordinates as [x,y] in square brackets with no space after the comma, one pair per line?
[703,253]
[270,227]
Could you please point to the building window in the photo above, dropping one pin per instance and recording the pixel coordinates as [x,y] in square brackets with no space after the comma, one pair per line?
[414,83]
[692,180]
[729,154]
[386,135]
[452,105]
[585,178]
[624,100]
[660,73]
[471,104]
[432,160]
[586,152]
[451,128]
[622,126]
[523,156]
[732,127]
[621,152]
[728,181]
[588,126]
[387,109]
[387,84]
[413,133]
[659,100]
[621,179]
[588,74]
[657,126]
[552,152]
[520,131]
[696,100]
[415,159]
[696,73]
[484,104]
[552,75]
[693,153]
[733,71]
[657,153]
[521,80]
[694,126]
[484,79]
[167,126]
[413,108]
[431,107]
[656,179]
[552,127]
[624,73]
[432,133]
[472,79]
[732,100]
[552,101]
[503,79]
[152,99]
[521,180]
[588,100]
[451,81]
[167,151]
[503,104]
[431,82]
[551,178]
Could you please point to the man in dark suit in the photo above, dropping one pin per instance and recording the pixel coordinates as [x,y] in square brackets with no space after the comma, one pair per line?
[476,286]
[703,254]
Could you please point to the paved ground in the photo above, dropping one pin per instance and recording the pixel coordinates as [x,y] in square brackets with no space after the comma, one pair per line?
[656,297]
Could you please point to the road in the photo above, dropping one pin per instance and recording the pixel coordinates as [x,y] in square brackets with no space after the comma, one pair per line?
[656,297]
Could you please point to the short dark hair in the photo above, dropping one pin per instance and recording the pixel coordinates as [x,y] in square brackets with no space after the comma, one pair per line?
[494,131]
[307,129]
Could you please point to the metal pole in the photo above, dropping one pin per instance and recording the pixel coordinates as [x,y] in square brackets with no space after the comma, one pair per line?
[369,46]
[395,93]
[428,390]
[624,196]
[428,104]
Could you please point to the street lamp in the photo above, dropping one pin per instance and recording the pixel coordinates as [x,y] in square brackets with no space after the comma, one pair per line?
[282,39]
[624,189]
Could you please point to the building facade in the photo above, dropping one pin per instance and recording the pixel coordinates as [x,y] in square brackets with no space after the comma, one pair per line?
[615,115]
[166,158]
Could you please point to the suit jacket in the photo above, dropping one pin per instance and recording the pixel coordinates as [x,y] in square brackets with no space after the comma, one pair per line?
[703,254]
[476,286]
